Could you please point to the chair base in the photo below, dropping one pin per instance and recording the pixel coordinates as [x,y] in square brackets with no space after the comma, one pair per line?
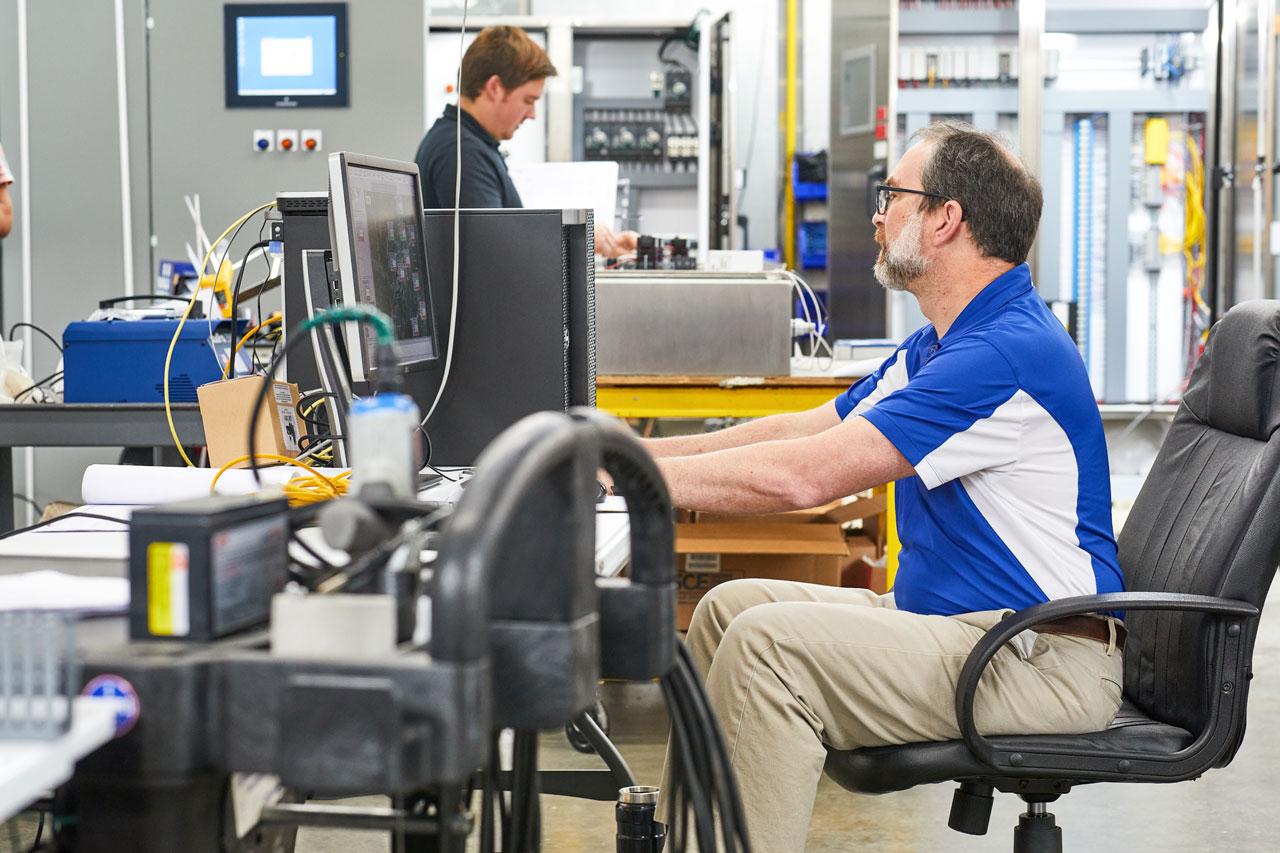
[1037,831]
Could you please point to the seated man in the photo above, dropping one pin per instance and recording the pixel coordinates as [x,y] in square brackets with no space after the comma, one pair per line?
[986,421]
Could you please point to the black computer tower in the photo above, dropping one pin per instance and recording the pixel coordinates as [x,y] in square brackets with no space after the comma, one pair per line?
[304,226]
[525,337]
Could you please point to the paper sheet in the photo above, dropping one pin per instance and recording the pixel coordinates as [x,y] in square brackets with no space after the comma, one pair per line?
[49,590]
[591,185]
[143,484]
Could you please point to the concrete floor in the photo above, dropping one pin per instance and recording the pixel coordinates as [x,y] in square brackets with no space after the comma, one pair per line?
[1231,808]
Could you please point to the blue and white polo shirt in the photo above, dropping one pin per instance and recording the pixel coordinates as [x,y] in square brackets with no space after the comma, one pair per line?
[1011,502]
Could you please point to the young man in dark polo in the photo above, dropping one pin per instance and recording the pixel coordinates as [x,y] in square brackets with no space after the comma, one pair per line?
[504,73]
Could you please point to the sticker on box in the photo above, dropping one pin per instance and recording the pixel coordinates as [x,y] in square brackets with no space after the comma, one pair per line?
[702,563]
[289,428]
[692,586]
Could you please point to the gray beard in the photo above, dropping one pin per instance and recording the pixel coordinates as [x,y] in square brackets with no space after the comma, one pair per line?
[900,265]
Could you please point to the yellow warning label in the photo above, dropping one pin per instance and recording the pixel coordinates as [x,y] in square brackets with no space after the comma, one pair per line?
[168,608]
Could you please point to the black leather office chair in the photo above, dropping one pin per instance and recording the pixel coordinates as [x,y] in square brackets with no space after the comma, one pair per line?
[1198,552]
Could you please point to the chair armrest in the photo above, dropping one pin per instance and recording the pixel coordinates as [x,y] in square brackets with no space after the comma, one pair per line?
[1027,619]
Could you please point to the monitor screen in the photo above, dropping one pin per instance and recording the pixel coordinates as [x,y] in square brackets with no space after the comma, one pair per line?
[286,55]
[376,210]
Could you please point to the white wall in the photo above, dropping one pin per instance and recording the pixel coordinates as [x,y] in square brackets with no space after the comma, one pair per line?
[815,71]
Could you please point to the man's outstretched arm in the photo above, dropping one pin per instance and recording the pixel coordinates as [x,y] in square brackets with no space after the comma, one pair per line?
[772,428]
[786,474]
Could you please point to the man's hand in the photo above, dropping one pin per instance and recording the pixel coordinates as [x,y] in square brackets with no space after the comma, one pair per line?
[6,212]
[610,245]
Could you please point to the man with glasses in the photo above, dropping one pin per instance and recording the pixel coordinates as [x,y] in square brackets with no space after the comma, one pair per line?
[986,421]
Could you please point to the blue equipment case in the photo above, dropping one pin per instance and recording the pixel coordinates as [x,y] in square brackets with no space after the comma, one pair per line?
[122,361]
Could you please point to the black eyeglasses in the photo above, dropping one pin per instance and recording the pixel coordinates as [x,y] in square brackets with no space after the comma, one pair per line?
[883,191]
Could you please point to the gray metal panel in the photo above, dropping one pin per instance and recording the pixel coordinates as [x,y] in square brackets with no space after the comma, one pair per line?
[1048,277]
[199,145]
[92,425]
[857,301]
[1119,140]
[1166,100]
[695,324]
[995,100]
[1247,278]
[968,101]
[933,21]
[1126,20]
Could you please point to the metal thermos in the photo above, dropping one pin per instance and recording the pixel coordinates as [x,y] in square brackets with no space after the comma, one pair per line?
[638,832]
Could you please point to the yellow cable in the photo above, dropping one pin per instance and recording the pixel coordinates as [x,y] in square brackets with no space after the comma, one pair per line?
[195,295]
[313,406]
[317,488]
[226,368]
[1195,236]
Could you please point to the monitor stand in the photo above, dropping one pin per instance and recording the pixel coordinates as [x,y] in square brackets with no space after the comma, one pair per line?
[320,284]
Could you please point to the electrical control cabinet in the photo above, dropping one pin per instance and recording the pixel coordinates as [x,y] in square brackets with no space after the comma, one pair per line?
[1121,138]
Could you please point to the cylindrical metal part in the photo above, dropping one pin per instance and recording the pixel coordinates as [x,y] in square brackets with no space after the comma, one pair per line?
[638,831]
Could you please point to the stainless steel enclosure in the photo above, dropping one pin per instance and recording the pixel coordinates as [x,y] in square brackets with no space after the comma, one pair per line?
[697,324]
[863,45]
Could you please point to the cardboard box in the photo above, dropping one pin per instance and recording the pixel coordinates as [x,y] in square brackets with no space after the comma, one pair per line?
[225,408]
[809,546]
[711,553]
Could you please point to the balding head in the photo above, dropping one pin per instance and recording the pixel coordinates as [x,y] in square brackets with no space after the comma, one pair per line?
[1001,200]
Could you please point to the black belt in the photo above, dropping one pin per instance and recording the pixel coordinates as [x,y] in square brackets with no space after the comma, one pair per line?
[1090,627]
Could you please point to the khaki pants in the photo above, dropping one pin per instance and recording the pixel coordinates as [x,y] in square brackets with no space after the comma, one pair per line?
[792,669]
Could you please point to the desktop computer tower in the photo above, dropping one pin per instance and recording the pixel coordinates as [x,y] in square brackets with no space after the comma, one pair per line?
[304,226]
[525,336]
[526,316]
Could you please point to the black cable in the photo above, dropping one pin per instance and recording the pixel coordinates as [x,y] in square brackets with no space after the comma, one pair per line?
[51,338]
[702,776]
[309,438]
[307,399]
[37,506]
[235,298]
[52,377]
[299,517]
[35,845]
[729,803]
[266,257]
[667,42]
[686,784]
[260,399]
[47,522]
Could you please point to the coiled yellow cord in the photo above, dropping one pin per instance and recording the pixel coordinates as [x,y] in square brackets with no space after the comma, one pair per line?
[299,491]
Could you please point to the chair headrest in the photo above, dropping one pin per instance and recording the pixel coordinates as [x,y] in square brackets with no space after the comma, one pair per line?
[1236,384]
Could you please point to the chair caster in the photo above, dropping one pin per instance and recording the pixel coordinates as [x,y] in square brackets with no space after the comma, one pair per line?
[971,808]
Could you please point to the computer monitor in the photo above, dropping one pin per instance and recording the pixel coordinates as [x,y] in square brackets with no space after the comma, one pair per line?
[380,253]
[285,54]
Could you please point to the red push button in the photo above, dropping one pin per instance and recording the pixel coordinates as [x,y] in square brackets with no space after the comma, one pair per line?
[286,144]
[310,143]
